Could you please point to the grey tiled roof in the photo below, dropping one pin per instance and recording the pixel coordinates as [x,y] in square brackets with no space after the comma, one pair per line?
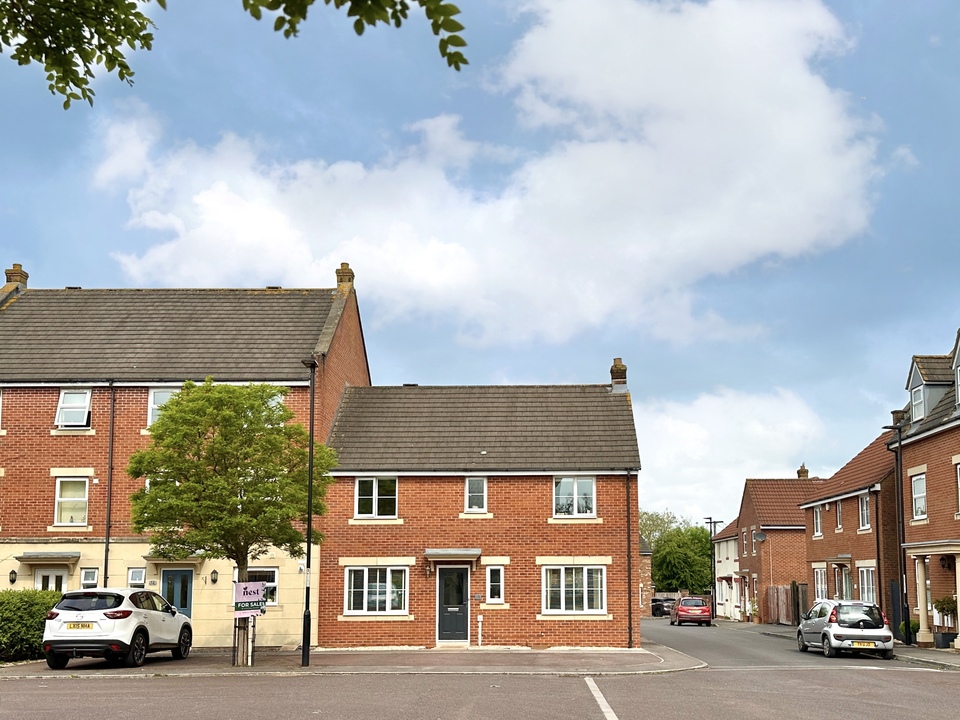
[485,429]
[935,368]
[162,334]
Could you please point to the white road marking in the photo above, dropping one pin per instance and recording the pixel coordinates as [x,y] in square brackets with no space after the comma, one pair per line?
[605,708]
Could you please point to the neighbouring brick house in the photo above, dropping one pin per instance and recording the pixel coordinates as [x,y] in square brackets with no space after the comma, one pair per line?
[497,515]
[772,543]
[851,530]
[929,442]
[726,556]
[83,372]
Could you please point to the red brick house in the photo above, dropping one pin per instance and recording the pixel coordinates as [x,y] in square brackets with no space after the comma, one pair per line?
[851,530]
[928,440]
[83,372]
[772,544]
[498,515]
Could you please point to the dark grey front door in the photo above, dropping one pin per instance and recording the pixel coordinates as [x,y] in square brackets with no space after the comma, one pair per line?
[452,615]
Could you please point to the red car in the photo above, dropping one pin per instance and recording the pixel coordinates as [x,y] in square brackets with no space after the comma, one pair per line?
[691,610]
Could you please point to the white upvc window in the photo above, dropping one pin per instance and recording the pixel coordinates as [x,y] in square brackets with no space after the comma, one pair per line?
[495,584]
[268,576]
[868,581]
[376,498]
[753,541]
[73,410]
[136,577]
[71,507]
[1,409]
[820,583]
[475,495]
[158,397]
[839,515]
[918,483]
[375,591]
[916,403]
[574,589]
[958,483]
[89,577]
[574,497]
[744,542]
[817,522]
[864,512]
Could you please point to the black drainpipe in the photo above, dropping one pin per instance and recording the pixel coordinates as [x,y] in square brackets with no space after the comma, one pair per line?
[106,539]
[629,568]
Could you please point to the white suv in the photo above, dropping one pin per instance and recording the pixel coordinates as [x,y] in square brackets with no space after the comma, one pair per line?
[119,624]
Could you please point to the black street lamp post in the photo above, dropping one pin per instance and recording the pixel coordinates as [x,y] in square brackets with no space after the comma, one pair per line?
[305,642]
[904,599]
[713,565]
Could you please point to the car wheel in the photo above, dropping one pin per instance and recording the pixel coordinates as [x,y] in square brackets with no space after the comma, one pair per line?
[828,649]
[887,654]
[801,645]
[671,621]
[57,661]
[138,649]
[183,644]
[679,623]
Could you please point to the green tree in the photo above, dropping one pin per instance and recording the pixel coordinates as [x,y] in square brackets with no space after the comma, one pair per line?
[70,37]
[653,525]
[227,475]
[681,561]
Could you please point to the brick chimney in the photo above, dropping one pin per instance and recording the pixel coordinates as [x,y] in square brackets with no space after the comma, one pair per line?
[17,275]
[802,472]
[899,416]
[618,375]
[344,279]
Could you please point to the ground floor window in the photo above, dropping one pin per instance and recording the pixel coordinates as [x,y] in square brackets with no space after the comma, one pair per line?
[376,590]
[820,583]
[868,582]
[494,584]
[268,576]
[573,589]
[50,580]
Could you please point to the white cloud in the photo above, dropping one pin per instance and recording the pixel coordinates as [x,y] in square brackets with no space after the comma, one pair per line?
[684,140]
[695,456]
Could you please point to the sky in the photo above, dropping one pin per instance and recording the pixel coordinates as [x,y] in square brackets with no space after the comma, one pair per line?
[752,202]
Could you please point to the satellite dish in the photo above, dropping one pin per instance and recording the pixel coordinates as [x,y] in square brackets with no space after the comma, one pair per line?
[760,536]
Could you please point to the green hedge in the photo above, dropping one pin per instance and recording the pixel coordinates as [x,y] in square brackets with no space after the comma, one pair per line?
[22,614]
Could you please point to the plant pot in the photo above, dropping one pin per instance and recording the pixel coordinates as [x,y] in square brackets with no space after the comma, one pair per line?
[944,640]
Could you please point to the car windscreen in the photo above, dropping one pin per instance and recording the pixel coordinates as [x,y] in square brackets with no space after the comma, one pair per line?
[867,616]
[85,602]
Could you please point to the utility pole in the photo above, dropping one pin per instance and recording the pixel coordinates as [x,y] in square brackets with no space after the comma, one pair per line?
[713,565]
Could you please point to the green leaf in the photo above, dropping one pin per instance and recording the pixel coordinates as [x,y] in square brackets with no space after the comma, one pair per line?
[456,41]
[358,26]
[451,26]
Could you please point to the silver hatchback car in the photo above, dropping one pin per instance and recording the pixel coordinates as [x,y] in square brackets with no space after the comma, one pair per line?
[853,625]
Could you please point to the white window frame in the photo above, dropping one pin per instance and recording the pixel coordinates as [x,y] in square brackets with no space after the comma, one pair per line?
[1,411]
[60,499]
[744,543]
[916,403]
[864,505]
[89,577]
[958,474]
[575,511]
[753,542]
[40,573]
[376,498]
[136,577]
[868,584]
[820,583]
[918,500]
[494,583]
[570,572]
[839,515]
[153,409]
[271,591]
[817,522]
[63,408]
[482,495]
[390,572]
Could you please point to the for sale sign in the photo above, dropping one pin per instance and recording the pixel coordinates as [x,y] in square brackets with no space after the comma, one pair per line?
[249,599]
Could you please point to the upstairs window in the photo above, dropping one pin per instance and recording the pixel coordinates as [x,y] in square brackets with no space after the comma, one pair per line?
[918,484]
[817,524]
[158,397]
[839,515]
[73,410]
[864,512]
[71,501]
[376,498]
[753,541]
[744,542]
[574,497]
[476,495]
[916,403]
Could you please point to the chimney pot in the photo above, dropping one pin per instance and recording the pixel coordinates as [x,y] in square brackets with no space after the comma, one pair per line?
[344,278]
[618,372]
[803,473]
[16,274]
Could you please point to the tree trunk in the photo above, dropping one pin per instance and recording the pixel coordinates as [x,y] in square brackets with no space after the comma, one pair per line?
[243,649]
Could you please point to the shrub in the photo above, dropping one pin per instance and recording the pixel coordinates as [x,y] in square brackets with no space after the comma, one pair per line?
[914,628]
[22,614]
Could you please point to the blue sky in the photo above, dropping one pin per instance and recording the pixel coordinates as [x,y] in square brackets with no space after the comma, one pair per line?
[750,202]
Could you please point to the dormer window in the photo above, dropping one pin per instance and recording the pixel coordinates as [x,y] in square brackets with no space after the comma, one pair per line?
[916,403]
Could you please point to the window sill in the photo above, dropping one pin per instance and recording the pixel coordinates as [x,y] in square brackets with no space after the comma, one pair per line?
[956,516]
[476,516]
[494,606]
[71,433]
[838,530]
[572,616]
[864,531]
[920,521]
[374,618]
[69,528]
[2,433]
[818,537]
[574,521]
[144,431]
[375,521]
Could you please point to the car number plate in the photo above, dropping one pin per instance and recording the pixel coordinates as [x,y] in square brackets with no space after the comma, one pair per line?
[79,626]
[864,644]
